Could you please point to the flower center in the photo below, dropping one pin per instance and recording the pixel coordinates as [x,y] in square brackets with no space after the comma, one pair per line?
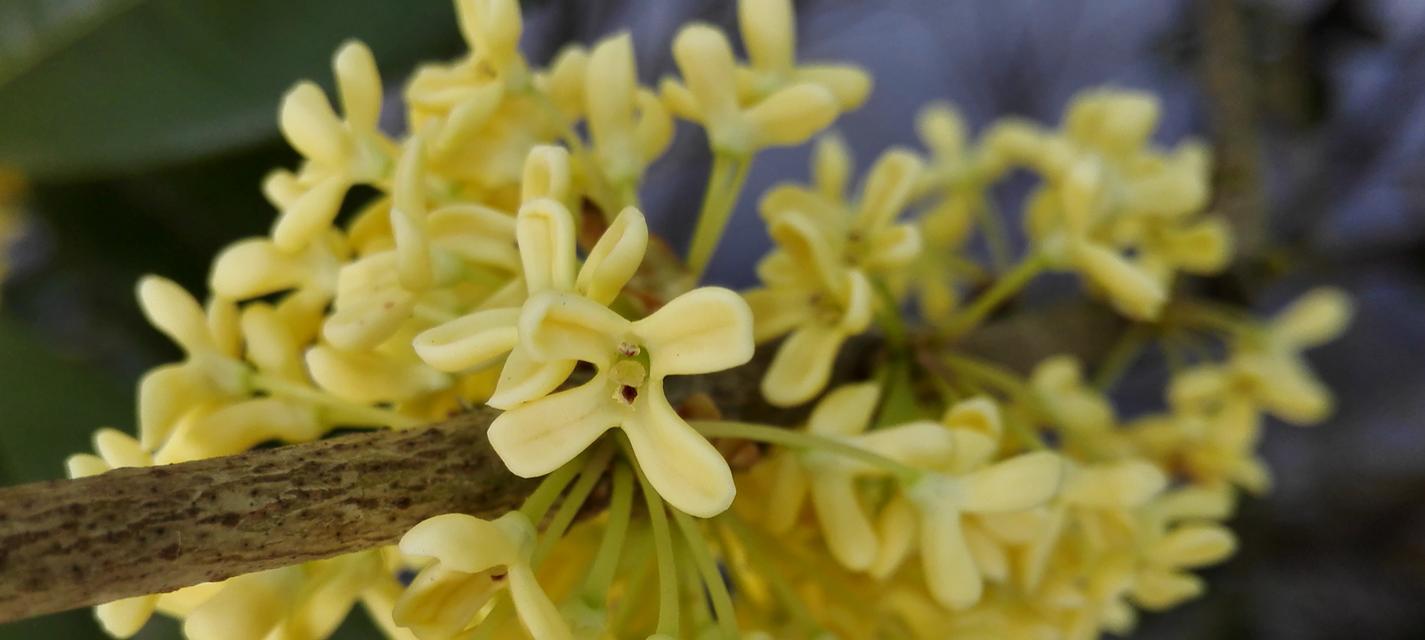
[629,373]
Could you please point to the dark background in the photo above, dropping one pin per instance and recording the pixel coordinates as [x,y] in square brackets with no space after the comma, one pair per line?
[145,127]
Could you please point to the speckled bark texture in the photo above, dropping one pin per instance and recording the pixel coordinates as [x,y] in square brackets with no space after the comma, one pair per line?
[66,544]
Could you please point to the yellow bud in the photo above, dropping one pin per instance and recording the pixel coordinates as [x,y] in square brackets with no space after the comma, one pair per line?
[312,128]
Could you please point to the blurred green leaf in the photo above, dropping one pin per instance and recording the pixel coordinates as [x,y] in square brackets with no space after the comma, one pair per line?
[97,87]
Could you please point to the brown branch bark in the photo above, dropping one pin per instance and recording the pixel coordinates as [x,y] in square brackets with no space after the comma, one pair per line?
[72,543]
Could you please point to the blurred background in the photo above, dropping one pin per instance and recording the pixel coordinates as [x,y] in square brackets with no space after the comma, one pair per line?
[134,134]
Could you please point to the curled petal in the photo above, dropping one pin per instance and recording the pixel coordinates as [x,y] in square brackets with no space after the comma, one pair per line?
[850,85]
[950,570]
[887,189]
[523,379]
[546,239]
[174,312]
[895,533]
[845,411]
[472,341]
[611,86]
[990,557]
[310,125]
[461,542]
[359,84]
[843,520]
[310,213]
[1133,291]
[408,218]
[368,377]
[1017,483]
[1314,319]
[538,437]
[1129,483]
[801,238]
[979,414]
[654,130]
[256,267]
[555,325]
[923,444]
[787,493]
[615,257]
[895,247]
[536,612]
[830,168]
[705,59]
[769,33]
[704,330]
[791,116]
[685,469]
[467,119]
[802,366]
[546,174]
[775,312]
[168,392]
[440,602]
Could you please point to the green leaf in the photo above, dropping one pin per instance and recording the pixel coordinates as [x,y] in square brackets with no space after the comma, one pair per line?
[99,87]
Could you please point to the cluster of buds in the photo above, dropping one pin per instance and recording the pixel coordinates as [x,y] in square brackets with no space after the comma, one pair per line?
[506,262]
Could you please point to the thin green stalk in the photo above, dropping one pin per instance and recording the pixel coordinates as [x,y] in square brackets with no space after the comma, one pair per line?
[725,183]
[802,440]
[1122,356]
[712,578]
[663,545]
[1003,289]
[601,572]
[589,475]
[538,503]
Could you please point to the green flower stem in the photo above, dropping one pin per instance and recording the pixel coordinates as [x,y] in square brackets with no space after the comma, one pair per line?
[538,503]
[663,544]
[338,409]
[1122,356]
[729,174]
[712,578]
[601,572]
[1004,288]
[589,475]
[802,440]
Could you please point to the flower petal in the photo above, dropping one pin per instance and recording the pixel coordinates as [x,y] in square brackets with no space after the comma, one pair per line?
[171,309]
[704,330]
[850,85]
[124,618]
[895,533]
[565,326]
[1317,317]
[1017,483]
[705,59]
[310,125]
[540,436]
[685,469]
[787,493]
[769,33]
[546,239]
[802,366]
[922,444]
[440,602]
[950,570]
[546,176]
[1132,290]
[472,341]
[887,189]
[1128,483]
[791,116]
[460,542]
[844,523]
[1193,545]
[614,258]
[845,411]
[775,311]
[524,379]
[536,612]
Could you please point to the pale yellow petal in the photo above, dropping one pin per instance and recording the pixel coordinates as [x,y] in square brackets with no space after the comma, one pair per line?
[1017,483]
[119,449]
[368,377]
[359,84]
[950,570]
[310,125]
[791,116]
[895,533]
[1129,483]
[615,257]
[846,410]
[546,239]
[683,467]
[538,437]
[1132,290]
[546,174]
[887,189]
[536,612]
[704,330]
[843,519]
[460,542]
[849,84]
[124,618]
[1193,545]
[472,341]
[705,59]
[1317,317]
[802,366]
[775,312]
[830,169]
[1156,590]
[788,491]
[170,309]
[769,33]
[566,326]
[523,379]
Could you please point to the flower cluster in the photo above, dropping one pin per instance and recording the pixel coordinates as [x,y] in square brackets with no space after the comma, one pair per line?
[505,261]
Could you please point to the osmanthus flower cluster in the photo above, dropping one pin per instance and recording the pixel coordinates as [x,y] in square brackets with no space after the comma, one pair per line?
[505,261]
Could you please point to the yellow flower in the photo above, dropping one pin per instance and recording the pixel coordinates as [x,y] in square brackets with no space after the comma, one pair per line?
[628,124]
[787,117]
[474,559]
[972,484]
[303,601]
[705,330]
[338,152]
[769,32]
[546,246]
[1270,369]
[831,479]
